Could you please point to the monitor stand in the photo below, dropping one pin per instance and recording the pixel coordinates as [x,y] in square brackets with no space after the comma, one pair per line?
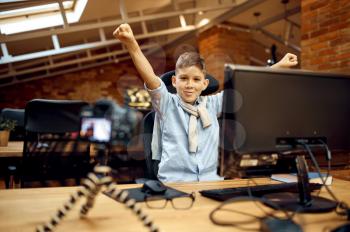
[301,202]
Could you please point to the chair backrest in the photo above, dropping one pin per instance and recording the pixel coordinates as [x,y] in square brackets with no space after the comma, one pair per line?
[53,116]
[51,148]
[18,116]
[148,122]
[147,130]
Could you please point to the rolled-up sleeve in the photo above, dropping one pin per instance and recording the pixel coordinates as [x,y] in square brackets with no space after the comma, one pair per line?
[216,100]
[160,98]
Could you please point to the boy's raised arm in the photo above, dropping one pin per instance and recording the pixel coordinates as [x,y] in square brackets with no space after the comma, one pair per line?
[126,36]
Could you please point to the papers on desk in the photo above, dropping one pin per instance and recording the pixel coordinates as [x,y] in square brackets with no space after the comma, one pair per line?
[313,178]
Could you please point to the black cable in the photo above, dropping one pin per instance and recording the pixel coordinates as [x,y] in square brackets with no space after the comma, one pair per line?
[288,216]
[235,224]
[239,224]
[313,159]
[250,198]
[342,207]
[328,158]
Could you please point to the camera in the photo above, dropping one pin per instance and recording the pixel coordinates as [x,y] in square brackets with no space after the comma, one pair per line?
[108,123]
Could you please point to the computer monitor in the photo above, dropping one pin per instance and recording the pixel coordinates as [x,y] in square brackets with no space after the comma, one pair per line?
[270,111]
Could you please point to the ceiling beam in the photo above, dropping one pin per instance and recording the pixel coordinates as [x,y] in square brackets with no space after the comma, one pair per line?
[75,48]
[110,23]
[63,14]
[231,12]
[280,40]
[4,50]
[73,61]
[278,17]
[256,60]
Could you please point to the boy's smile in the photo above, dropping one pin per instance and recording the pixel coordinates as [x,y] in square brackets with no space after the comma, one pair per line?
[189,83]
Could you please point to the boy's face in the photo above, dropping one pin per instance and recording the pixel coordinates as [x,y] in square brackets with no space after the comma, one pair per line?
[189,83]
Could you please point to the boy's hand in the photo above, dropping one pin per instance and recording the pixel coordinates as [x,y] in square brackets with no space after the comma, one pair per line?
[288,61]
[124,34]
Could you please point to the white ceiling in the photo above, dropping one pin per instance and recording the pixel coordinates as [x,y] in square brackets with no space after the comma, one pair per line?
[89,42]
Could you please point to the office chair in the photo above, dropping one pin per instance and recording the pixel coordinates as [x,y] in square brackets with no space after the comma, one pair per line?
[51,148]
[148,122]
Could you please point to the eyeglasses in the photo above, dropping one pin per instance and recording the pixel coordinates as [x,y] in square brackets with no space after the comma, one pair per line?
[181,203]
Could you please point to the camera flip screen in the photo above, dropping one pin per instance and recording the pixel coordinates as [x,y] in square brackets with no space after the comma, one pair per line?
[96,129]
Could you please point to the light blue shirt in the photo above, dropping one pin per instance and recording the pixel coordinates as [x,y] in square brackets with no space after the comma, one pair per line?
[177,164]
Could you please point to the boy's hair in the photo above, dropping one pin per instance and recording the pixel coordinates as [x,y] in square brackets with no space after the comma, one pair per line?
[189,59]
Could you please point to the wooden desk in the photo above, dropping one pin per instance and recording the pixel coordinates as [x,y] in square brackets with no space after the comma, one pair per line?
[13,149]
[24,209]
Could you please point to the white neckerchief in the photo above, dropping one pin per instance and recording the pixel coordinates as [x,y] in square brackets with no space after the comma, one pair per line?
[199,111]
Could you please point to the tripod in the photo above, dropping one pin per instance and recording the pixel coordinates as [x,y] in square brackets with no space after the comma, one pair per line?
[96,182]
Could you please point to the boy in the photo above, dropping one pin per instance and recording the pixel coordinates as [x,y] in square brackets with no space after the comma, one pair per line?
[186,147]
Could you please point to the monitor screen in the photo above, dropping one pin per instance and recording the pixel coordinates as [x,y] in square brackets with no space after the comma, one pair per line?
[266,111]
[96,129]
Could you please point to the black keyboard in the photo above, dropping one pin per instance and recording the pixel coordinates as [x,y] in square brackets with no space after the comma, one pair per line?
[257,191]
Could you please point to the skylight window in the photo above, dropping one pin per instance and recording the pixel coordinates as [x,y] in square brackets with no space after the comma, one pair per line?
[35,9]
[39,17]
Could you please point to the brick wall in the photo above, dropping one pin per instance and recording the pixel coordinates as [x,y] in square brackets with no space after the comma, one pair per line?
[325,41]
[220,45]
[89,85]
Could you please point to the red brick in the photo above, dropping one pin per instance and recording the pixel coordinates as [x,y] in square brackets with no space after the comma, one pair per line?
[318,32]
[317,60]
[310,41]
[327,66]
[345,63]
[307,27]
[318,4]
[318,46]
[328,36]
[339,41]
[306,2]
[343,56]
[327,52]
[328,22]
[339,26]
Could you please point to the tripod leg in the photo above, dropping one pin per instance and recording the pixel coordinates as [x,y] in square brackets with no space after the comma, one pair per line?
[94,185]
[123,197]
[55,220]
